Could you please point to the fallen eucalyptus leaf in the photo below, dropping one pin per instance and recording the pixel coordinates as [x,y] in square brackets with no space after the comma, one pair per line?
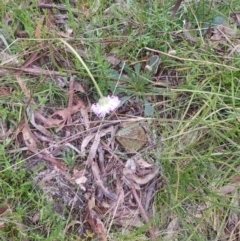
[131,136]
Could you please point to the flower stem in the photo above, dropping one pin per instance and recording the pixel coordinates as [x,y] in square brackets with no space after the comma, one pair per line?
[84,65]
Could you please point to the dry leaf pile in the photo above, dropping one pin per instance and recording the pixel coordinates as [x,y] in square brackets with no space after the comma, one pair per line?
[103,188]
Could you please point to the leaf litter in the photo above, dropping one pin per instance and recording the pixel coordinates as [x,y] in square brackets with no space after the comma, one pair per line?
[43,141]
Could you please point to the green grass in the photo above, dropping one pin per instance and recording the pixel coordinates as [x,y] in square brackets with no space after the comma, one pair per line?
[195,127]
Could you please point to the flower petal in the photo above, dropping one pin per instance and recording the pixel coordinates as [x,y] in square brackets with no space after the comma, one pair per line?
[105,105]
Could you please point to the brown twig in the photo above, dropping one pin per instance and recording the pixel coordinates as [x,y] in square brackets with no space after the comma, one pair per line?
[35,71]
[70,100]
[176,7]
[50,6]
[54,161]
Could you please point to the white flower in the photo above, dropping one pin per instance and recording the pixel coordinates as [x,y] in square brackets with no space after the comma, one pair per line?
[105,105]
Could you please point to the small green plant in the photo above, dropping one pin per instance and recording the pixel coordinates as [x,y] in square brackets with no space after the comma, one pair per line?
[137,83]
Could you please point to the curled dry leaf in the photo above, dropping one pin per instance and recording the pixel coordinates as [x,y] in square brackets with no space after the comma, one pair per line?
[222,32]
[60,116]
[141,162]
[113,60]
[85,142]
[23,86]
[39,127]
[97,225]
[228,188]
[29,139]
[4,91]
[38,116]
[4,208]
[32,144]
[65,35]
[88,138]
[140,180]
[232,186]
[79,87]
